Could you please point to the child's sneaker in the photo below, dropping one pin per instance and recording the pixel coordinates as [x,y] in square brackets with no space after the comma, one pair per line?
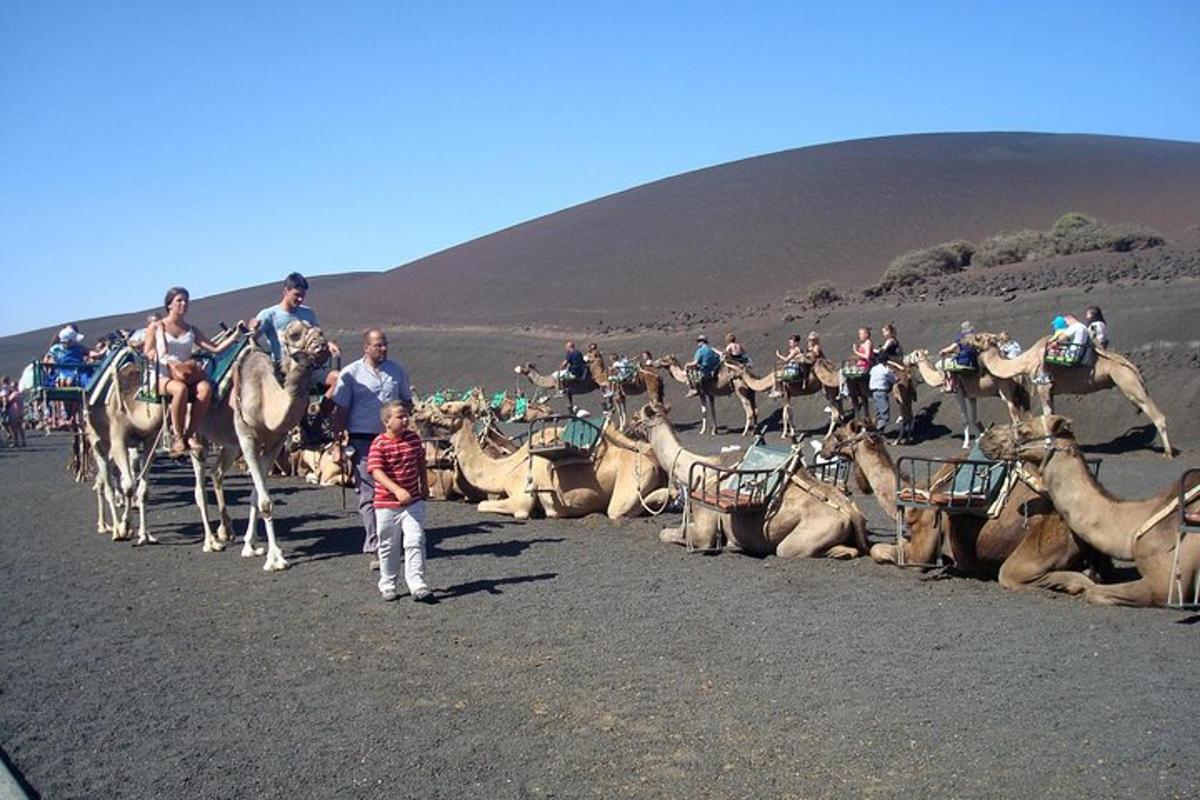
[389,595]
[423,595]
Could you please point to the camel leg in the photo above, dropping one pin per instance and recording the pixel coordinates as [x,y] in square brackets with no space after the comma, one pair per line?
[518,508]
[751,409]
[141,491]
[805,543]
[966,419]
[104,495]
[1047,549]
[258,469]
[119,455]
[1132,388]
[249,548]
[225,459]
[1138,593]
[211,545]
[672,536]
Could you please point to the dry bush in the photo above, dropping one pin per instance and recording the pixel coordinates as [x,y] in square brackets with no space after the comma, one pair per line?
[822,292]
[916,265]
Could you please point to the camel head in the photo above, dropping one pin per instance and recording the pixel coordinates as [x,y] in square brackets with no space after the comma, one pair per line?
[981,340]
[841,440]
[304,342]
[524,369]
[914,357]
[1031,441]
[665,362]
[645,419]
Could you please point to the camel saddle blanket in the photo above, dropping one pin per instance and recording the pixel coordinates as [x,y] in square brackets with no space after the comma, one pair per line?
[104,377]
[1167,510]
[220,368]
[623,374]
[792,373]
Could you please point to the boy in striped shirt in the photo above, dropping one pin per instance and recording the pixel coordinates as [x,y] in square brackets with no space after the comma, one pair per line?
[397,463]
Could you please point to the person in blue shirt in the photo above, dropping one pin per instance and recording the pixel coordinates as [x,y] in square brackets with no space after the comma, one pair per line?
[273,320]
[573,367]
[704,364]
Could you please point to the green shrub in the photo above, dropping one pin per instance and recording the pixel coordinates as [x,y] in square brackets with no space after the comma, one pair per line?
[822,292]
[916,265]
[1013,248]
[1127,236]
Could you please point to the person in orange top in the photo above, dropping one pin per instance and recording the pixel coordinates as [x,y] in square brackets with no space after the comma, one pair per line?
[397,463]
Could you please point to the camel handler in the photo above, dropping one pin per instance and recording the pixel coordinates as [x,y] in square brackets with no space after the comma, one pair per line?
[362,389]
[273,320]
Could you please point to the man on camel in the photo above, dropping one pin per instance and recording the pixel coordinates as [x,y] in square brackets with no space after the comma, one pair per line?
[273,320]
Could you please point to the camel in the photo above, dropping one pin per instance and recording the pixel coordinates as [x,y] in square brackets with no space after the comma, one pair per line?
[445,479]
[1025,542]
[971,387]
[645,381]
[1143,531]
[569,388]
[621,476]
[812,384]
[113,428]
[254,421]
[811,519]
[727,382]
[1106,370]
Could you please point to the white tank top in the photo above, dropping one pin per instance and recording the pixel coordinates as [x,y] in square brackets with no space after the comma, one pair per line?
[174,349]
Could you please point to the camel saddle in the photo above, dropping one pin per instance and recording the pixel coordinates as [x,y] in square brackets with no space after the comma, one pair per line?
[974,485]
[750,485]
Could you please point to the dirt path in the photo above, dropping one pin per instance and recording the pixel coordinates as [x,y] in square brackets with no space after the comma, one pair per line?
[565,659]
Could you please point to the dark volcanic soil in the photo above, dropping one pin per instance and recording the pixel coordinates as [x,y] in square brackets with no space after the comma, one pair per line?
[565,659]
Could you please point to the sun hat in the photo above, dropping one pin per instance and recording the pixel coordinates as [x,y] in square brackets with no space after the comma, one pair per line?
[1059,324]
[813,335]
[966,327]
[69,335]
[701,338]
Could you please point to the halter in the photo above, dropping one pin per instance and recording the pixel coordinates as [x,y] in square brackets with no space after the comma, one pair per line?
[1049,445]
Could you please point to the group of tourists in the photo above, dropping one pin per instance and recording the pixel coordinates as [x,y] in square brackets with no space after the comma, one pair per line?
[369,401]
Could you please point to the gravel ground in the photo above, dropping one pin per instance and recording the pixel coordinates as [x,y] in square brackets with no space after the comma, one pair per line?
[565,659]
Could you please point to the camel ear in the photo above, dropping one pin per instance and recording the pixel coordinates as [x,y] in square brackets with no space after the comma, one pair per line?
[1059,426]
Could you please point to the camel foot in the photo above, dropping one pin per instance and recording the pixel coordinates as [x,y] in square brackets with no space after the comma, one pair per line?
[672,536]
[223,534]
[842,552]
[250,552]
[150,538]
[213,546]
[275,562]
[883,554]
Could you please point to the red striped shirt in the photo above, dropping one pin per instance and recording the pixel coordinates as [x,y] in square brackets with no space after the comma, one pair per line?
[403,460]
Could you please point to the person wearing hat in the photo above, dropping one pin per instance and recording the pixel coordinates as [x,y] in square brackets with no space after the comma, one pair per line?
[958,356]
[65,360]
[704,365]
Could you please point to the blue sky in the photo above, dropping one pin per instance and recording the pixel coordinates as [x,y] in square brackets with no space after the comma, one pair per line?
[223,144]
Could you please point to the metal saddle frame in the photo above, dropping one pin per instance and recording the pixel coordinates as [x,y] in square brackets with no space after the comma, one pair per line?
[1189,524]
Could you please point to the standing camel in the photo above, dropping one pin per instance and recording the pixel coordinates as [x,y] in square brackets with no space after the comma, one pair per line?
[1107,370]
[811,519]
[810,385]
[645,381]
[1143,531]
[568,388]
[1026,541]
[254,421]
[971,387]
[726,382]
[113,427]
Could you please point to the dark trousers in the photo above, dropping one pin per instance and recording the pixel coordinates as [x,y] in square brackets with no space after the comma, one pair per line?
[364,489]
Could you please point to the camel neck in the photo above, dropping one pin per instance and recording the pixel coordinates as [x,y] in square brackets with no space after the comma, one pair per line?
[481,470]
[876,463]
[1103,522]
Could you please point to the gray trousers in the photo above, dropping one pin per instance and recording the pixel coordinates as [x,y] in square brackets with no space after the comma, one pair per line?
[883,409]
[364,489]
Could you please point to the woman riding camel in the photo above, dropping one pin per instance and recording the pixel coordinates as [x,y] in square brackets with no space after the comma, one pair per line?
[791,363]
[171,342]
[890,350]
